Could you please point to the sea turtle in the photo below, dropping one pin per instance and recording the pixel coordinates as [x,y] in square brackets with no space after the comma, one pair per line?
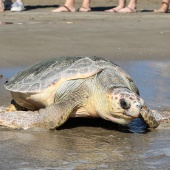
[48,93]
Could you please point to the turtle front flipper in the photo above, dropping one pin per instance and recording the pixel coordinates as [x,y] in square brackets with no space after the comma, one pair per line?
[153,118]
[50,118]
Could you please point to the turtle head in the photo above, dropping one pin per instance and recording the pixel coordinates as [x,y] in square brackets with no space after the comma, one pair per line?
[123,105]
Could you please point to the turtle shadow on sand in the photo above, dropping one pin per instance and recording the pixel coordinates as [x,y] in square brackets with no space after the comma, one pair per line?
[136,126]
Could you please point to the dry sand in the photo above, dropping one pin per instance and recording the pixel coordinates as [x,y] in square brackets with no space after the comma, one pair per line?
[37,34]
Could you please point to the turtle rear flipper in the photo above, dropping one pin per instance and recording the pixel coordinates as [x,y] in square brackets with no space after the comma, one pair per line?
[153,117]
[51,117]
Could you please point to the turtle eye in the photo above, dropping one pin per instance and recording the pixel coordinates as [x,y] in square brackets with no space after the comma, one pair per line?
[124,104]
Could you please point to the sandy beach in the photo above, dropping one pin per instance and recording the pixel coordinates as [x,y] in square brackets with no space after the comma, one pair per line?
[138,42]
[39,34]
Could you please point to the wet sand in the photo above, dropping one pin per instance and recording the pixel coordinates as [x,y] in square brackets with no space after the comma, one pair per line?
[137,42]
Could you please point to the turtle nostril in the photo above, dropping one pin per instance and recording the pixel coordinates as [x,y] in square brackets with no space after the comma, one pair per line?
[124,104]
[138,105]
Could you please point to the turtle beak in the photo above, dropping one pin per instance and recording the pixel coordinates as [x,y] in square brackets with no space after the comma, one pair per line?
[130,111]
[135,109]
